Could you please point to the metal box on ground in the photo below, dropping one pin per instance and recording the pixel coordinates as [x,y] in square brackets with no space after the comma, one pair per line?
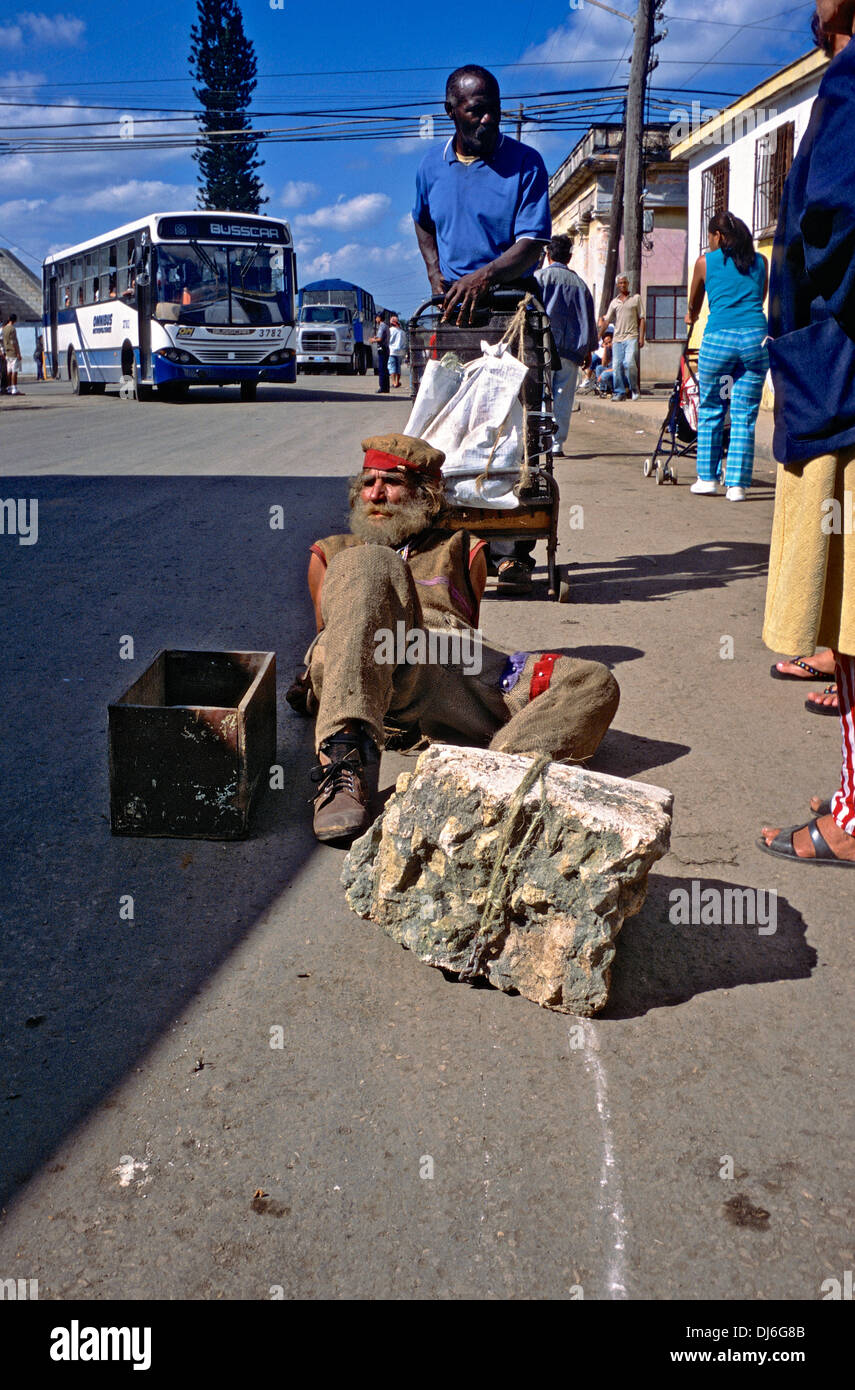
[190,743]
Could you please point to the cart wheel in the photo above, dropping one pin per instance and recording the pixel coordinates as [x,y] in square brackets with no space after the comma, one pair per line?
[564,595]
[673,474]
[647,467]
[660,473]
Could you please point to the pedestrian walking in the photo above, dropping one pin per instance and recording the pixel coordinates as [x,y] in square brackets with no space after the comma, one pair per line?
[810,599]
[381,338]
[567,300]
[733,359]
[397,349]
[12,350]
[39,358]
[626,314]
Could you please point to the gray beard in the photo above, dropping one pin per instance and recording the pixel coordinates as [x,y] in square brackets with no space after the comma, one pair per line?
[404,520]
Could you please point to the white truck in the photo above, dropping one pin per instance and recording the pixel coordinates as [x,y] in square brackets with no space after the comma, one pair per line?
[326,340]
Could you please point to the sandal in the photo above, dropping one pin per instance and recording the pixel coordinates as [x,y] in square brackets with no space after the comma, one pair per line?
[814,707]
[782,846]
[514,578]
[813,673]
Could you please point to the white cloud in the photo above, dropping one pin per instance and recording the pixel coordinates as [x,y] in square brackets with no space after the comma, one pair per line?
[593,34]
[134,196]
[21,207]
[306,245]
[348,260]
[348,213]
[405,226]
[55,29]
[297,192]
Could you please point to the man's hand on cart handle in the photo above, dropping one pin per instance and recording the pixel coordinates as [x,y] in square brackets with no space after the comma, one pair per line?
[466,292]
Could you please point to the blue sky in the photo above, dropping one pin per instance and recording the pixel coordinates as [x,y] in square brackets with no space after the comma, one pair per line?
[348,202]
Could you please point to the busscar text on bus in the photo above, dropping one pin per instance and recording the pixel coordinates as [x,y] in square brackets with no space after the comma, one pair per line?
[174,300]
[334,327]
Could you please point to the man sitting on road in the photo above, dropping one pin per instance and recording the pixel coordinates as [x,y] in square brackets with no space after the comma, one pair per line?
[396,603]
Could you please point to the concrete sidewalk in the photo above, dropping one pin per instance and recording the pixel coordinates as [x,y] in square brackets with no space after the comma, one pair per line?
[652,409]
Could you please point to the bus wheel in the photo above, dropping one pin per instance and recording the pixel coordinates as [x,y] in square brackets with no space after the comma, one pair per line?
[80,388]
[361,364]
[248,390]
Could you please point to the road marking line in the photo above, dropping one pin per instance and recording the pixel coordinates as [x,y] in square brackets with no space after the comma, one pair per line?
[610,1201]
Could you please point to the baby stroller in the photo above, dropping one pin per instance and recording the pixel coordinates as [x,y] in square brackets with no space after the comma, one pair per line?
[679,433]
[681,423]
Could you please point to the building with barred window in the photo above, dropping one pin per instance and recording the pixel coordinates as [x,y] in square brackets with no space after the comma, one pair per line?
[580,197]
[739,157]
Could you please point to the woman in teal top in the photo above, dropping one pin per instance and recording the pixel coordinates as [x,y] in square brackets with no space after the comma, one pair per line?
[733,360]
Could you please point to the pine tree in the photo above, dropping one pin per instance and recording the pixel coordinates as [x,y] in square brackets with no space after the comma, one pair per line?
[222,60]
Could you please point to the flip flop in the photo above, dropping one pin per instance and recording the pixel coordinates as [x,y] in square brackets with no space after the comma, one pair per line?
[782,847]
[814,708]
[812,672]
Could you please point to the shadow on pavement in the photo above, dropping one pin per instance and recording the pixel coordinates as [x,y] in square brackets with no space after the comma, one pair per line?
[172,563]
[626,755]
[659,965]
[652,578]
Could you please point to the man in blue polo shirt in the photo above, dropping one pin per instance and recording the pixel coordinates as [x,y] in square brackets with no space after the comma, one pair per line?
[482,202]
[482,217]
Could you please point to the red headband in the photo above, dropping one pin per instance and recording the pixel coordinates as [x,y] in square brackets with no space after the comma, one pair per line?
[386,463]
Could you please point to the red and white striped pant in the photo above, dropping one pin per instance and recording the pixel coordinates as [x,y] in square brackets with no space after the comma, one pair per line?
[843,802]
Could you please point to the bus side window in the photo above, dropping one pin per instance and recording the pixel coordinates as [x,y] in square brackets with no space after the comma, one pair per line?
[76,286]
[126,268]
[90,278]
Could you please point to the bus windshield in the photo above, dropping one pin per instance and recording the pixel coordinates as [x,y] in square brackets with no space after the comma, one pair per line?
[324,313]
[201,284]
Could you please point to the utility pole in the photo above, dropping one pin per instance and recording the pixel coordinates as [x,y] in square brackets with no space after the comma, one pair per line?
[615,226]
[520,122]
[634,140]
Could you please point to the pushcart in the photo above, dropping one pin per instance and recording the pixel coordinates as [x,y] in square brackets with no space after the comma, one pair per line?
[536,517]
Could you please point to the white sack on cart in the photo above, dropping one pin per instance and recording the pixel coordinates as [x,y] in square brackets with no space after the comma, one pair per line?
[438,384]
[482,423]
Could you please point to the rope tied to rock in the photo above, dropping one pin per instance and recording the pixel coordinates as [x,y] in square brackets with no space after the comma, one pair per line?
[500,879]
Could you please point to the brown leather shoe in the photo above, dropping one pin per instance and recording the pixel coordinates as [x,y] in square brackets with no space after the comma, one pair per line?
[346,785]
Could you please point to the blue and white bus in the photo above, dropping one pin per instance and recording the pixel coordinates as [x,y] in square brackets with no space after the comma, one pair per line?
[173,300]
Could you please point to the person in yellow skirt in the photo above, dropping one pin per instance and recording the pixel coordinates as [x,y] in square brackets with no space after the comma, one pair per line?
[810,599]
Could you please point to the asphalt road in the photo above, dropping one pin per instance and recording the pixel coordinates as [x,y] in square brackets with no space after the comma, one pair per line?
[142,1107]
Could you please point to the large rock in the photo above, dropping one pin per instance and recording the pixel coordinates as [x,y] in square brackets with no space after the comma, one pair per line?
[529,891]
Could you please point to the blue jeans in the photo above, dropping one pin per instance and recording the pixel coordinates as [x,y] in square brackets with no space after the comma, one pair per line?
[564,395]
[625,364]
[383,369]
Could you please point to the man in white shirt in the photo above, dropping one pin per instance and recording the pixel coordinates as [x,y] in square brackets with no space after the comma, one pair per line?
[626,312]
